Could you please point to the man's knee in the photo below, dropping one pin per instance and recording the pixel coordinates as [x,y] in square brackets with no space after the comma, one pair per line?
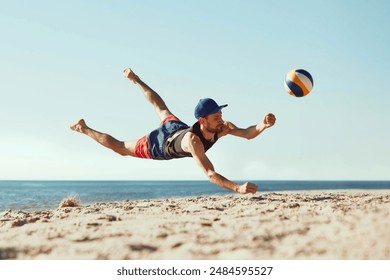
[163,114]
[127,149]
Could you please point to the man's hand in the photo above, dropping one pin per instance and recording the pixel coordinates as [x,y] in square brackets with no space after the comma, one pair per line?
[247,188]
[269,120]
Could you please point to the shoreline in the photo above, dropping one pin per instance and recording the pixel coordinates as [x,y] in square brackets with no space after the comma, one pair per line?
[259,192]
[314,224]
[40,195]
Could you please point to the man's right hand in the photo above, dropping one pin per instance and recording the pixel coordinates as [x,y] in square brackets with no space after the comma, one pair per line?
[247,188]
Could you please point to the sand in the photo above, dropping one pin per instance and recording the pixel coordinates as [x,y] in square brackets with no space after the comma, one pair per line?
[325,225]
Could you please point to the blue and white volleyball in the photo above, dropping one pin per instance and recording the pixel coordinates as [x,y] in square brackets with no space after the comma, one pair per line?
[298,82]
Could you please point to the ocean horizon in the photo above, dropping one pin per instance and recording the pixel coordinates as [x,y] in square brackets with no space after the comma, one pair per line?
[35,195]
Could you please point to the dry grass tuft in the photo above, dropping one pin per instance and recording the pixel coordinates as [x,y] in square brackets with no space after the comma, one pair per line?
[71,201]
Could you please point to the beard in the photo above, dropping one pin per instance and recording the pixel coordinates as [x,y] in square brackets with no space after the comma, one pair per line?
[218,129]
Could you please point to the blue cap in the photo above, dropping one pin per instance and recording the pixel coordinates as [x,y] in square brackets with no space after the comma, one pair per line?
[207,106]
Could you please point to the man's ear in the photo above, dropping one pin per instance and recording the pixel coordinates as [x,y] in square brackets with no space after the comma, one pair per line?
[201,120]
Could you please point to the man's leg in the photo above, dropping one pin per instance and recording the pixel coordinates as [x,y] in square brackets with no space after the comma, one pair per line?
[123,148]
[152,96]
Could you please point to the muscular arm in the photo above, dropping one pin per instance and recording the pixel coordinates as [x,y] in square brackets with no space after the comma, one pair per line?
[192,144]
[252,131]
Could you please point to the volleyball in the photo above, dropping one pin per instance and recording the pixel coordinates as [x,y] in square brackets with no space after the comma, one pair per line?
[298,82]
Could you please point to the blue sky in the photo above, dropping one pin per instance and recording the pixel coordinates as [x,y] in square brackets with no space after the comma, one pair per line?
[63,60]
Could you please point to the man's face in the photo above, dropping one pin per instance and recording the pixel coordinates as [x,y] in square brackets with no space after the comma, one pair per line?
[213,123]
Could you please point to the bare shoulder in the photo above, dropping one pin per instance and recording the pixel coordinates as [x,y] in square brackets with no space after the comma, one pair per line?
[189,141]
[230,125]
[190,137]
[226,129]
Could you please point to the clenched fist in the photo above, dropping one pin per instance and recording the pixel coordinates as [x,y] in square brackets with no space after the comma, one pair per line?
[269,120]
[247,188]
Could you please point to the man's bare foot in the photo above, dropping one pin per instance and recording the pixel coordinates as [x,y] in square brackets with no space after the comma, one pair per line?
[79,126]
[129,74]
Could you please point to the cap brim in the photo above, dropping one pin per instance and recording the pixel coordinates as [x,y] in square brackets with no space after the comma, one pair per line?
[219,108]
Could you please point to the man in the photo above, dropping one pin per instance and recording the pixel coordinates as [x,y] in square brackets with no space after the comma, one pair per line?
[175,139]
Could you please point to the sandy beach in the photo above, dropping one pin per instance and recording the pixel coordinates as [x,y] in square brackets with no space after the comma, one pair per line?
[286,225]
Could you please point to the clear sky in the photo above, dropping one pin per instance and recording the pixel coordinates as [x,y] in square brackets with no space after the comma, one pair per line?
[63,60]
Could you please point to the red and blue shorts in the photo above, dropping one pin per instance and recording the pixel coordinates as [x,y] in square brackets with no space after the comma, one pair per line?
[151,146]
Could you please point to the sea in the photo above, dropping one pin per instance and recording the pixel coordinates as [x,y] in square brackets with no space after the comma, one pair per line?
[44,195]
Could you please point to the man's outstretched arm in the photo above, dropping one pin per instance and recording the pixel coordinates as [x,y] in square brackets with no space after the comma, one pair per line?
[196,148]
[252,131]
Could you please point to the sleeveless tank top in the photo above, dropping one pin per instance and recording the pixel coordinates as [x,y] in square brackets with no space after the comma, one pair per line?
[172,145]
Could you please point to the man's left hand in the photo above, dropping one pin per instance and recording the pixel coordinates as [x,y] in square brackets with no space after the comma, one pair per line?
[247,188]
